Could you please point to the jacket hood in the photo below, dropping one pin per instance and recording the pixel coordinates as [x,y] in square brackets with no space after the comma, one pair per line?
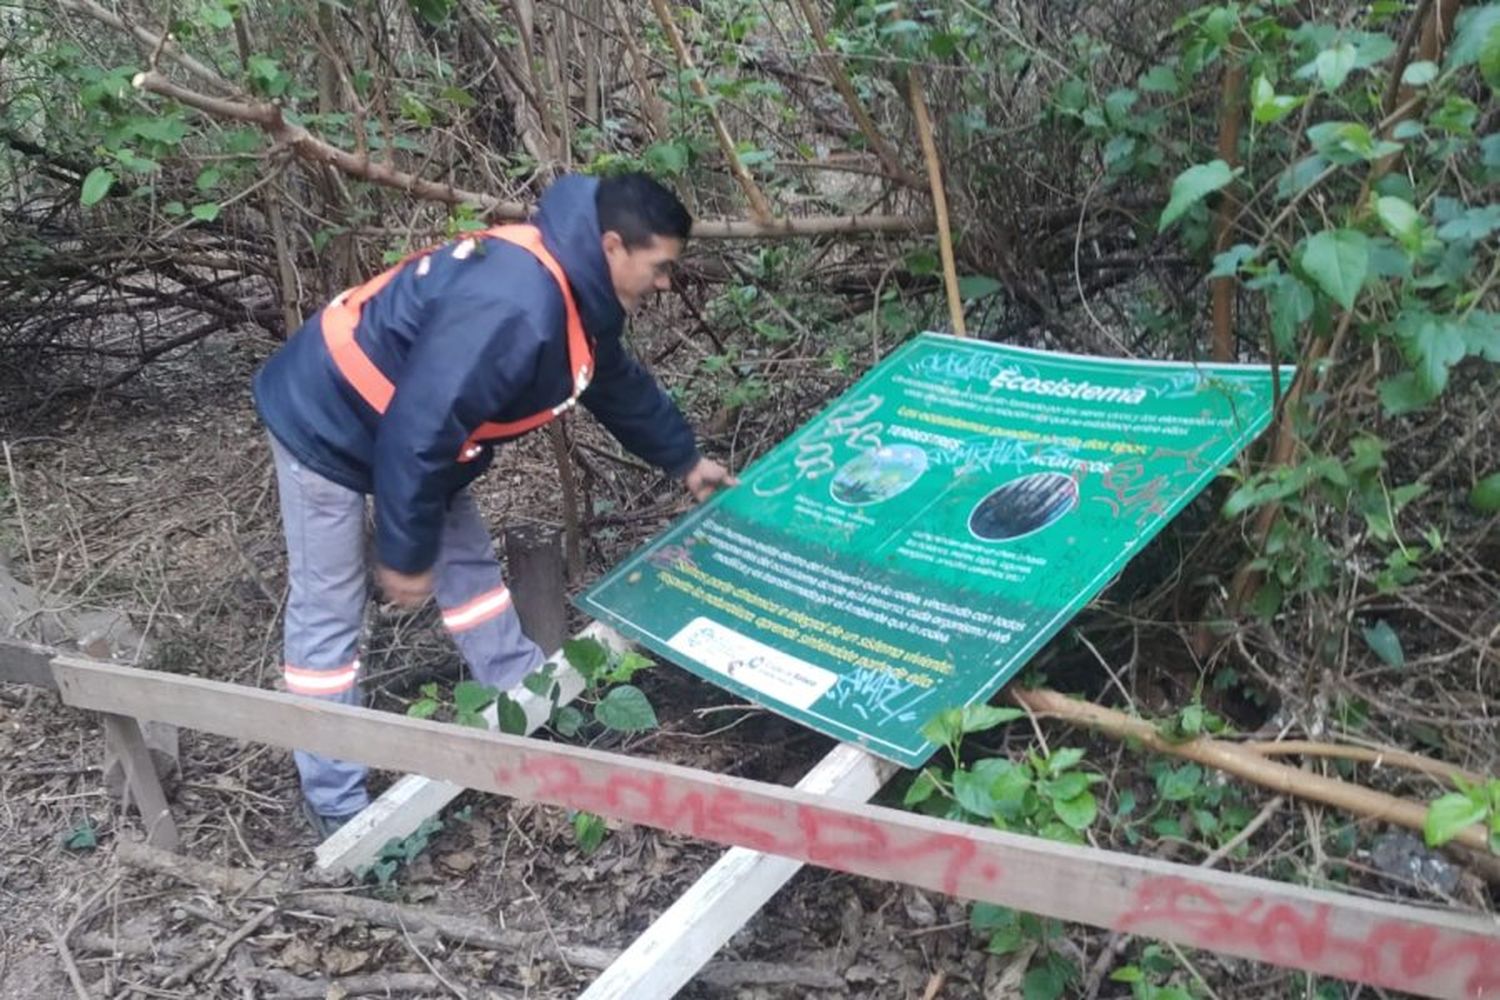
[569,223]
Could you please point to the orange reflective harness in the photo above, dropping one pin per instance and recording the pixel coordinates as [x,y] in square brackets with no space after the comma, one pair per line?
[341,317]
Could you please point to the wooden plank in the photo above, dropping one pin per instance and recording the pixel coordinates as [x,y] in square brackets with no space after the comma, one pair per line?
[1432,952]
[124,734]
[682,940]
[415,797]
[26,663]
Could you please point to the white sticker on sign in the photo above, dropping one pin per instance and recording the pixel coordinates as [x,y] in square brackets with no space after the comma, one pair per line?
[753,664]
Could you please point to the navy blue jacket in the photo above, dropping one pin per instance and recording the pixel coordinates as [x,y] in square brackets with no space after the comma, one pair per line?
[482,338]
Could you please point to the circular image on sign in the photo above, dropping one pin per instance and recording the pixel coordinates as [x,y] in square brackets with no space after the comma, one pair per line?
[1023,506]
[878,474]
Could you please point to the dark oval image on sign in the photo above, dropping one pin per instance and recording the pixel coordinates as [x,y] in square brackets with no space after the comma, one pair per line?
[1023,506]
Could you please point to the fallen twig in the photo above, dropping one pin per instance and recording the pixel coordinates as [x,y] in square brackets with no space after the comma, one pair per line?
[65,956]
[216,958]
[425,922]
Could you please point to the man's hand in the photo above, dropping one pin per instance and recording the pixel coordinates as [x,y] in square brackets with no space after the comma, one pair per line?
[707,478]
[409,590]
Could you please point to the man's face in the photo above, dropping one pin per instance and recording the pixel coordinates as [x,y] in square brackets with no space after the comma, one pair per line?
[638,272]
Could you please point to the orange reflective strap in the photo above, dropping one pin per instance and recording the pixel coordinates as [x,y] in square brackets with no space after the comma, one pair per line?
[340,319]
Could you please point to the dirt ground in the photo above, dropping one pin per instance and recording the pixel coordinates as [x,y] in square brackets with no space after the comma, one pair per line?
[159,503]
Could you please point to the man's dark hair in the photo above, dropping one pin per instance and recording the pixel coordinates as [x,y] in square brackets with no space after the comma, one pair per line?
[639,208]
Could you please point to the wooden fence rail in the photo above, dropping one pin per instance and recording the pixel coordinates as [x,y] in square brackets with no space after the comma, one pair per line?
[1430,952]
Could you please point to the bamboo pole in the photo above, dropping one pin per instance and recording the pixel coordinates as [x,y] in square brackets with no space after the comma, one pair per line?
[840,81]
[759,207]
[939,200]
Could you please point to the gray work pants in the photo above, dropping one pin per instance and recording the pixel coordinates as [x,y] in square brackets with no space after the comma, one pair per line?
[325,543]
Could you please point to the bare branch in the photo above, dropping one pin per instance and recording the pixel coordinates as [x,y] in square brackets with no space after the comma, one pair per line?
[159,44]
[296,138]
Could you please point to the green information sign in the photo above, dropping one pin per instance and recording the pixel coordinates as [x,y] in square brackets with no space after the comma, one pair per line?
[913,545]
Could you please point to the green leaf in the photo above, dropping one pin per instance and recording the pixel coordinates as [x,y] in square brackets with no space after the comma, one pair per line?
[1403,394]
[1333,65]
[1449,816]
[1433,344]
[1078,812]
[1192,186]
[217,17]
[1291,304]
[1419,73]
[1338,260]
[209,178]
[1267,106]
[1063,759]
[977,286]
[472,696]
[267,75]
[587,656]
[1181,783]
[1044,982]
[1401,219]
[1009,789]
[920,790]
[1068,786]
[96,185]
[589,831]
[541,682]
[1228,263]
[1159,79]
[568,721]
[1481,332]
[1475,224]
[1472,31]
[422,708]
[945,727]
[167,130]
[207,211]
[1489,58]
[434,12]
[511,715]
[991,917]
[1384,643]
[1349,142]
[1299,176]
[972,792]
[629,664]
[82,837]
[1485,496]
[458,97]
[978,718]
[626,709]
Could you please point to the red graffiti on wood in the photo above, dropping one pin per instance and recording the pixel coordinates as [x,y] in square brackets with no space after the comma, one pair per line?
[1392,953]
[822,836]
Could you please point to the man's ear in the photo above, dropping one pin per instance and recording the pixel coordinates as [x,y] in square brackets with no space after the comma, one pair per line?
[612,241]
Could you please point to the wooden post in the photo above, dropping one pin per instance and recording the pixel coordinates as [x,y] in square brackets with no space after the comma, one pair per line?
[123,733]
[682,940]
[160,740]
[534,568]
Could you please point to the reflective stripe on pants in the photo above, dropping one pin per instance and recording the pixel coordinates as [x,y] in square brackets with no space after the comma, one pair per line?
[324,525]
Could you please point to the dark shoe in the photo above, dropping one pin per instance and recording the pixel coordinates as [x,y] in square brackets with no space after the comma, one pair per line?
[324,826]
